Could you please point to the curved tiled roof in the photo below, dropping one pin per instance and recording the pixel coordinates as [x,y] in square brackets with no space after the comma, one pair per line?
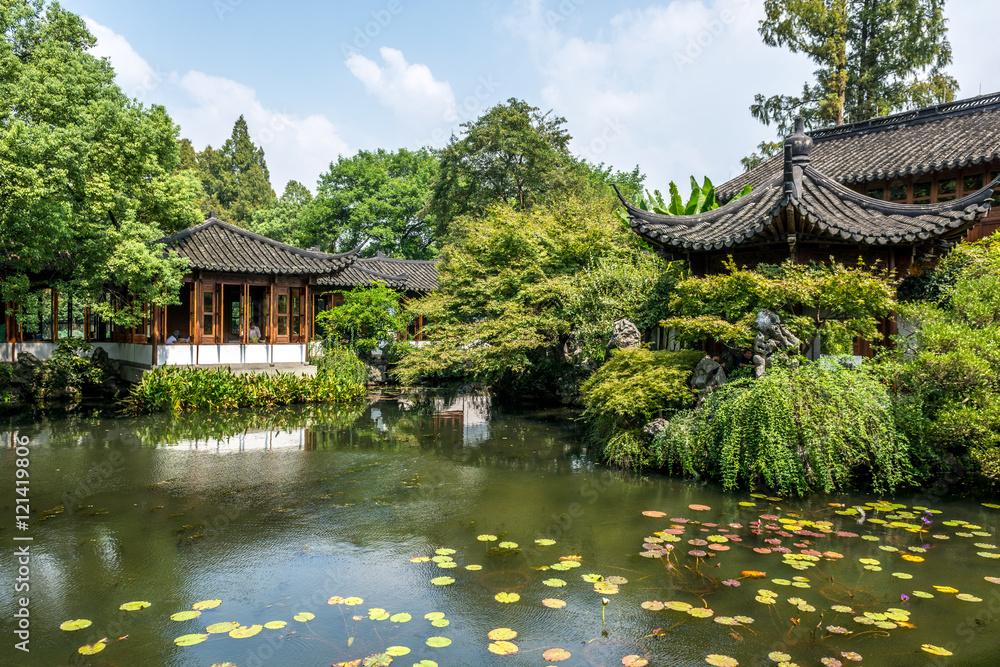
[817,206]
[412,275]
[215,245]
[932,139]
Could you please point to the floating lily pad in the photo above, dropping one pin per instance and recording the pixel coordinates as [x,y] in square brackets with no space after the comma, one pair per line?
[91,649]
[507,597]
[473,568]
[945,589]
[700,612]
[400,618]
[206,604]
[699,508]
[134,606]
[304,616]
[545,542]
[501,633]
[190,640]
[245,631]
[674,605]
[902,575]
[185,615]
[778,656]
[851,655]
[557,655]
[377,660]
[634,661]
[438,642]
[717,660]
[378,614]
[935,650]
[554,603]
[503,648]
[441,623]
[442,581]
[965,597]
[434,615]
[508,545]
[397,651]
[420,559]
[223,664]
[554,583]
[222,628]
[592,578]
[444,552]
[425,663]
[352,602]
[275,625]
[652,605]
[656,514]
[487,538]
[78,624]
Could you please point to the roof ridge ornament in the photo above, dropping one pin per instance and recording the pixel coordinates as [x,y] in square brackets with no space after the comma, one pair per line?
[798,145]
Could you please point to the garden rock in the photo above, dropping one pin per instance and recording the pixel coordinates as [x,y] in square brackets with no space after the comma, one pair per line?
[708,373]
[625,335]
[653,428]
[25,369]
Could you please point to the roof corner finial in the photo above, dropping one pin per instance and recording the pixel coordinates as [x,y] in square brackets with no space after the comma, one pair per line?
[211,214]
[798,145]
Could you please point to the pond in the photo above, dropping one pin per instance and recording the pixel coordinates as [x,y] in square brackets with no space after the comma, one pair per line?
[425,530]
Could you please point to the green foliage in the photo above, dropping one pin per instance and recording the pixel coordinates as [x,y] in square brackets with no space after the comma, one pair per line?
[513,154]
[947,369]
[874,57]
[375,199]
[235,178]
[282,220]
[173,388]
[834,301]
[702,199]
[637,384]
[516,286]
[798,429]
[342,364]
[371,314]
[75,151]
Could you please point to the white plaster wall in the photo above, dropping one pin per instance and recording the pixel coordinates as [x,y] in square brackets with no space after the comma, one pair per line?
[41,350]
[288,354]
[6,353]
[177,354]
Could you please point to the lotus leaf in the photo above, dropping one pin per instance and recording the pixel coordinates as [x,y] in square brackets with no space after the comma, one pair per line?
[206,604]
[246,631]
[351,602]
[190,640]
[304,616]
[487,538]
[441,623]
[275,625]
[778,656]
[78,624]
[91,649]
[545,542]
[507,597]
[400,618]
[717,660]
[557,655]
[442,581]
[503,648]
[397,651]
[434,615]
[377,660]
[554,583]
[508,545]
[935,650]
[554,603]
[473,567]
[134,606]
[184,615]
[634,661]
[438,642]
[501,633]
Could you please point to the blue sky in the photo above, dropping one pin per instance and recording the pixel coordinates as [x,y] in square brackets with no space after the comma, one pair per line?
[665,85]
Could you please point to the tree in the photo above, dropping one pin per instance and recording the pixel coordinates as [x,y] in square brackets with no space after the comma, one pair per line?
[513,154]
[370,315]
[281,221]
[526,297]
[235,177]
[874,57]
[836,302]
[88,178]
[374,199]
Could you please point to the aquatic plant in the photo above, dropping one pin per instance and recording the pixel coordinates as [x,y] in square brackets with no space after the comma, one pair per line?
[174,388]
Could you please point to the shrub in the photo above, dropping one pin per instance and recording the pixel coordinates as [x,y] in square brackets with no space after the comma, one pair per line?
[797,429]
[173,388]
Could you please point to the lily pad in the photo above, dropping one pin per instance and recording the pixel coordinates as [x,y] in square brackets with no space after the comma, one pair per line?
[425,663]
[222,628]
[352,602]
[554,583]
[185,615]
[434,615]
[508,545]
[444,552]
[717,660]
[699,508]
[275,625]
[935,650]
[503,648]
[245,631]
[656,514]
[634,661]
[557,655]
[397,651]
[652,605]
[473,568]
[206,604]
[190,640]
[554,603]
[507,597]
[304,616]
[438,642]
[78,624]
[401,618]
[487,538]
[778,656]
[91,649]
[134,606]
[441,623]
[501,633]
[442,581]
[545,542]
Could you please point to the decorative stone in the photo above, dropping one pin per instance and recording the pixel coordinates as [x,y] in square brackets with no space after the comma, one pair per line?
[625,335]
[653,428]
[772,337]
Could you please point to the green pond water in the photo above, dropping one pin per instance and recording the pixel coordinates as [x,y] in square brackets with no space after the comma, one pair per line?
[280,514]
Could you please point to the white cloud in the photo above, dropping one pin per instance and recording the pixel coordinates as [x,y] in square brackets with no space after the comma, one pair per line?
[411,91]
[667,86]
[206,106]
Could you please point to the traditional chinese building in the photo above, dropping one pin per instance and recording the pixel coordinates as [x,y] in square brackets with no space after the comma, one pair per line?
[247,300]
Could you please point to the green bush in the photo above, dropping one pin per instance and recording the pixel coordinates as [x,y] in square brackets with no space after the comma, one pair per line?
[341,364]
[173,388]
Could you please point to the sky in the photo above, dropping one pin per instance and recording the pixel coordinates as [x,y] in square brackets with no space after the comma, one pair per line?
[663,85]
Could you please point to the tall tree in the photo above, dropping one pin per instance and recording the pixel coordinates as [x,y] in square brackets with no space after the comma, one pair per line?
[512,154]
[874,57]
[374,199]
[235,177]
[281,221]
[88,177]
